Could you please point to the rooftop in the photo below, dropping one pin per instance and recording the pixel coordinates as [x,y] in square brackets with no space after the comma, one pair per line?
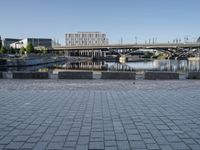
[85,33]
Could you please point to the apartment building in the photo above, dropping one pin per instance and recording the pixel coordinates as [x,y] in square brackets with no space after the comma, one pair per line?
[86,39]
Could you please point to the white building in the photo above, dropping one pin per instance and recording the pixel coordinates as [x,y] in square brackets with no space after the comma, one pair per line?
[36,42]
[6,42]
[86,39]
[198,40]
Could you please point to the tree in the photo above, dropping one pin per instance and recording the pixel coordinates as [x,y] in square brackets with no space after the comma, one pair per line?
[3,50]
[148,54]
[12,50]
[30,48]
[22,50]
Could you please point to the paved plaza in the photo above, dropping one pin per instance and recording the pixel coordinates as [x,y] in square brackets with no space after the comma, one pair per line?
[99,114]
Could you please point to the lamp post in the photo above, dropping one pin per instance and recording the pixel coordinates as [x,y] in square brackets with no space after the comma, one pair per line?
[136,39]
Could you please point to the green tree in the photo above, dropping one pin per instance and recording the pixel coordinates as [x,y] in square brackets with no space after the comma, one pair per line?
[12,50]
[22,50]
[30,48]
[148,54]
[3,50]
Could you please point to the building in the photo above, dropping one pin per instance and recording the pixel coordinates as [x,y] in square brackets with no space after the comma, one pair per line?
[86,39]
[7,41]
[198,41]
[36,42]
[0,42]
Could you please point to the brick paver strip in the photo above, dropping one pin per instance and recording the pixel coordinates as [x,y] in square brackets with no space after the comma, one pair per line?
[99,114]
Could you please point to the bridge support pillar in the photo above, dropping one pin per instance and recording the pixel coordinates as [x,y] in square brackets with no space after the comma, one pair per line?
[94,54]
[66,53]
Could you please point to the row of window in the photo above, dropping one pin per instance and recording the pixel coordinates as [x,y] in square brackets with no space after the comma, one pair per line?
[86,35]
[85,39]
[89,42]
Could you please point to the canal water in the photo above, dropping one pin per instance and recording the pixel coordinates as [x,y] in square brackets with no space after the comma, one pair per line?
[153,65]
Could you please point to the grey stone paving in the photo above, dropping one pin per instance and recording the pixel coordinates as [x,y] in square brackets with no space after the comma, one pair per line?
[99,114]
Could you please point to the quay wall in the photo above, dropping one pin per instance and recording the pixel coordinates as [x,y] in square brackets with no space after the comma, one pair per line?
[32,61]
[90,75]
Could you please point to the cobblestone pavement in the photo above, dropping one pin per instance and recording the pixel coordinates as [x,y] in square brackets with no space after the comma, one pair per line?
[99,114]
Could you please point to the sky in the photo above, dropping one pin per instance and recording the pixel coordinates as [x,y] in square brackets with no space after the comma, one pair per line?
[122,20]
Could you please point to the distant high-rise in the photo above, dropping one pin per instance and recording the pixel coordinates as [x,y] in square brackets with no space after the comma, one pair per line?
[86,39]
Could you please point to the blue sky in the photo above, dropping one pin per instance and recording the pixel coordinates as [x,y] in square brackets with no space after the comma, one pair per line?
[127,19]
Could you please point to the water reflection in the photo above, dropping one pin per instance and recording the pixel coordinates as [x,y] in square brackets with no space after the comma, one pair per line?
[154,65]
[89,65]
[194,65]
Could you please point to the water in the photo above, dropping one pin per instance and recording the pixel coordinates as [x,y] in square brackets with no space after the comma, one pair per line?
[154,65]
[158,65]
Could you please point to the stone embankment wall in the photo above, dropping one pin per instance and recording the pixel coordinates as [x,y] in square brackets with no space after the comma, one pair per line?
[32,60]
[90,75]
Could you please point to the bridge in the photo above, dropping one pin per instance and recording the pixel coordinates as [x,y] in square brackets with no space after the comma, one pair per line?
[132,46]
[99,51]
